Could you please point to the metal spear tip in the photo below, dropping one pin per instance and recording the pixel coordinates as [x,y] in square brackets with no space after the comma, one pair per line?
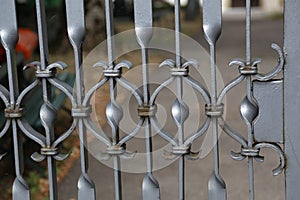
[143,35]
[86,188]
[143,21]
[8,24]
[216,188]
[151,189]
[75,21]
[212,20]
[20,190]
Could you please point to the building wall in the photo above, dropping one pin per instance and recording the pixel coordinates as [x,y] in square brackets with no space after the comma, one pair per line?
[266,5]
[272,6]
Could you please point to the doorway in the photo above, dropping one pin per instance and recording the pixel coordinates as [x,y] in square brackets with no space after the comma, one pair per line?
[242,3]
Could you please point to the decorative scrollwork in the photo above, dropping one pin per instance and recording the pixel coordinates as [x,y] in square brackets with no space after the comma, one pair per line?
[114,112]
[115,71]
[277,69]
[49,71]
[47,112]
[48,116]
[252,68]
[249,110]
[180,111]
[254,152]
[181,70]
[117,150]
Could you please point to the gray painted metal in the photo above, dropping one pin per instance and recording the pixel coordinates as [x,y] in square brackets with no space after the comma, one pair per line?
[268,126]
[291,97]
[76,33]
[143,30]
[249,109]
[212,26]
[9,38]
[255,108]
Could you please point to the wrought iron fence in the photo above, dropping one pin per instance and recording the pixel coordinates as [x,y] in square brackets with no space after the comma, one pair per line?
[181,142]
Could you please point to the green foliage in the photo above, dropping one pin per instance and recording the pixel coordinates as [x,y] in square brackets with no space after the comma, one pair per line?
[33,181]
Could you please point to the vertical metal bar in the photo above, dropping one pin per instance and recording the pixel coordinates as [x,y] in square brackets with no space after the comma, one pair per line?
[148,134]
[117,178]
[249,96]
[248,31]
[43,44]
[9,38]
[177,33]
[76,33]
[291,97]
[250,141]
[145,72]
[212,25]
[181,161]
[213,102]
[143,30]
[181,175]
[113,93]
[109,32]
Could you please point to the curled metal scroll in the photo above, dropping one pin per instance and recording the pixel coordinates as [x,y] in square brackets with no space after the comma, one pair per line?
[4,95]
[180,110]
[249,109]
[49,74]
[114,112]
[277,69]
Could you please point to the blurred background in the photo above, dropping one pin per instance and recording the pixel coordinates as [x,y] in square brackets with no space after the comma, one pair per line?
[267,28]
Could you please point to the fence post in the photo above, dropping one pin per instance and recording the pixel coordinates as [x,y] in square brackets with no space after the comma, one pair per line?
[291,97]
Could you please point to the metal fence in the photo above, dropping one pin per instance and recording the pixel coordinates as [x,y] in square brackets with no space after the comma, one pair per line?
[257,86]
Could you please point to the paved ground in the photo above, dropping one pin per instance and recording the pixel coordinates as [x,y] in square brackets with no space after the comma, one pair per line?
[231,45]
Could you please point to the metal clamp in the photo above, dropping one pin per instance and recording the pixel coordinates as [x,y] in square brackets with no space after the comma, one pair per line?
[181,150]
[250,152]
[116,149]
[44,73]
[81,112]
[147,111]
[248,70]
[214,111]
[179,71]
[13,113]
[49,151]
[112,73]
